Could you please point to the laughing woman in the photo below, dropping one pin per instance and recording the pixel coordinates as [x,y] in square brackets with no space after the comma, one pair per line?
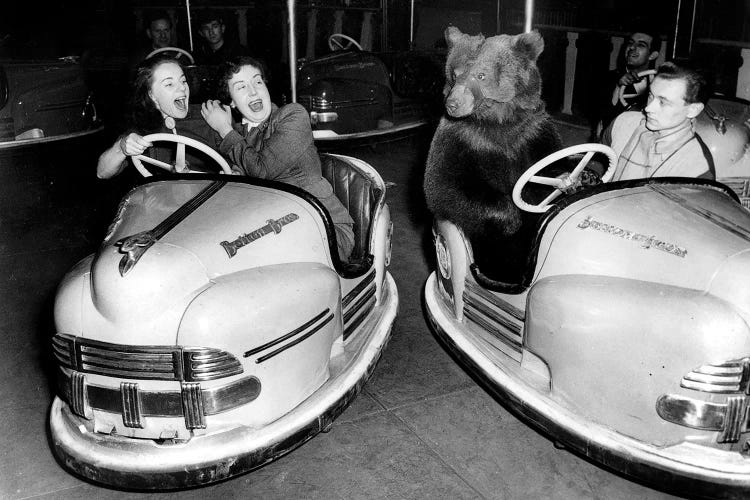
[160,103]
[271,142]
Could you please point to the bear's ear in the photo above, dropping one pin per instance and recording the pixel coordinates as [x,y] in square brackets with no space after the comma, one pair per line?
[452,35]
[529,44]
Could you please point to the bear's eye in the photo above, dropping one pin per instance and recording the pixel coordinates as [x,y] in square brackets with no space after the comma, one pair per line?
[480,76]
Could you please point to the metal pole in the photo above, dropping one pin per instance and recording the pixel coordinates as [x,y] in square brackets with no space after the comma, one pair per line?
[292,49]
[676,29]
[411,25]
[528,16]
[190,25]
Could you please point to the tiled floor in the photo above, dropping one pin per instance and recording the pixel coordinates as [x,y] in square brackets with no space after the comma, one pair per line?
[421,429]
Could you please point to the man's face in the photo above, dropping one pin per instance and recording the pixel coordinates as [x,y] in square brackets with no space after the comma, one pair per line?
[638,51]
[213,32]
[160,33]
[667,108]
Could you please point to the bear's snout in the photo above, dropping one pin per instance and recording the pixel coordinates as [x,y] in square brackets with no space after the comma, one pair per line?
[460,101]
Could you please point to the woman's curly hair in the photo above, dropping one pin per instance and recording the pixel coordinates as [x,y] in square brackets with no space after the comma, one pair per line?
[144,117]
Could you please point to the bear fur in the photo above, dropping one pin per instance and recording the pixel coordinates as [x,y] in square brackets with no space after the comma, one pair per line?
[495,127]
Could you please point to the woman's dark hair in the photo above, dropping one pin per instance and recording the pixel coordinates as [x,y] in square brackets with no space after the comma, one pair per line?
[231,68]
[144,117]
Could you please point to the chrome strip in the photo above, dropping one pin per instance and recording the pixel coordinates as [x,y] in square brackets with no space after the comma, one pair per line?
[296,341]
[495,300]
[135,245]
[479,320]
[729,377]
[131,405]
[720,221]
[192,405]
[164,403]
[190,364]
[61,105]
[358,289]
[354,324]
[733,419]
[286,336]
[359,304]
[78,394]
[730,419]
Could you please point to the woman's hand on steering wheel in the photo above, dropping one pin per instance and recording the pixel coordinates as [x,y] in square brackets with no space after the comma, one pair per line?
[133,144]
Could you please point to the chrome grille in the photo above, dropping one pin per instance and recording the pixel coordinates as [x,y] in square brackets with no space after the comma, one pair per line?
[493,315]
[315,102]
[185,364]
[728,377]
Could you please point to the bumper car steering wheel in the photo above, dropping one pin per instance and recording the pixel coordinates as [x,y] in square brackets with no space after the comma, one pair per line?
[181,141]
[180,52]
[336,42]
[565,183]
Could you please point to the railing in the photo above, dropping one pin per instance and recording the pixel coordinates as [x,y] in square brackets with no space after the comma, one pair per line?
[575,59]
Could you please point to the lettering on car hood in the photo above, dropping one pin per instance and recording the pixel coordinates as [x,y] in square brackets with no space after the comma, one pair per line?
[272,226]
[646,241]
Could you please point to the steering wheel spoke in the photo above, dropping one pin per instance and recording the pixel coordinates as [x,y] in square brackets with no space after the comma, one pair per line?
[547,181]
[550,198]
[180,165]
[157,163]
[582,164]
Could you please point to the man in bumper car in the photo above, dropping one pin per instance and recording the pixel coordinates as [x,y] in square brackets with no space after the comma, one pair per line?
[661,140]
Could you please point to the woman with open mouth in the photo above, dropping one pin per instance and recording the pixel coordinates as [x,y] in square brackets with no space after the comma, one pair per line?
[160,103]
[269,142]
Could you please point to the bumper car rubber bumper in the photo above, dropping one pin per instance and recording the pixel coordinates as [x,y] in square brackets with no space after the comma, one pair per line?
[145,464]
[686,467]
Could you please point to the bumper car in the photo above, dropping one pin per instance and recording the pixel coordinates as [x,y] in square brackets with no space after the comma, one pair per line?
[44,101]
[216,328]
[350,96]
[627,337]
[723,126]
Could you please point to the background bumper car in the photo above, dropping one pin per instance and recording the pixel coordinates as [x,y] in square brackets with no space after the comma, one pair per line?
[44,101]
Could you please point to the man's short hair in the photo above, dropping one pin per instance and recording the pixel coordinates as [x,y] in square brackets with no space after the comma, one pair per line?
[696,84]
[155,15]
[647,28]
[207,16]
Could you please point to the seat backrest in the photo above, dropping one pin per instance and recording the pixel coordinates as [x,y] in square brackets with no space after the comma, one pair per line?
[358,194]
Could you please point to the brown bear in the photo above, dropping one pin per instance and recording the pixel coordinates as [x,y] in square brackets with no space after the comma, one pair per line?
[495,127]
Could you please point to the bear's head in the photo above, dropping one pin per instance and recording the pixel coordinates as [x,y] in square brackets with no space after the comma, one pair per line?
[491,78]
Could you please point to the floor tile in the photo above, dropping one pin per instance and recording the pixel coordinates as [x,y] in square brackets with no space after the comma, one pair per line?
[502,457]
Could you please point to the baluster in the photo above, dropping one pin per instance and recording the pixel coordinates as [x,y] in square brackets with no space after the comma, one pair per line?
[365,39]
[743,75]
[242,25]
[571,56]
[312,26]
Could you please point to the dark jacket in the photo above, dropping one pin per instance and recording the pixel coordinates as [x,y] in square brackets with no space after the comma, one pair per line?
[282,149]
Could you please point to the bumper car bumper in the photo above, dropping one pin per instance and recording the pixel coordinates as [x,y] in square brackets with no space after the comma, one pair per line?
[688,468]
[146,464]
